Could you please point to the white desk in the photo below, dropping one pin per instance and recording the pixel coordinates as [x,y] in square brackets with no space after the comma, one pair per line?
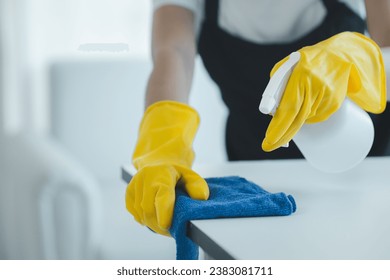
[339,216]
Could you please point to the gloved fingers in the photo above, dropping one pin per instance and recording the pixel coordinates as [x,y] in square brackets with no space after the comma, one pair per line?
[366,81]
[159,197]
[370,71]
[320,111]
[194,184]
[138,194]
[153,226]
[354,79]
[289,117]
[131,199]
[151,210]
[327,95]
[147,205]
[370,96]
[165,202]
[287,136]
[160,231]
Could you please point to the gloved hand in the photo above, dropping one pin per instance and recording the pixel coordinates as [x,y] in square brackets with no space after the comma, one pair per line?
[347,64]
[163,157]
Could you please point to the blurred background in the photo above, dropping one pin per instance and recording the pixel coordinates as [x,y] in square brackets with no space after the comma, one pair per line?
[72,80]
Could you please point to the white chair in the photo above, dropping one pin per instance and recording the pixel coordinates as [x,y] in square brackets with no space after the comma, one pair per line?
[49,208]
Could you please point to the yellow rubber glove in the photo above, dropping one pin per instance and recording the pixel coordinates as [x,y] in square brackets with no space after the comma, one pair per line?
[347,64]
[163,157]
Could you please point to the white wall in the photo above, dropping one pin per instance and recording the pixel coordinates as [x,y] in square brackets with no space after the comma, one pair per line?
[1,75]
[35,31]
[12,40]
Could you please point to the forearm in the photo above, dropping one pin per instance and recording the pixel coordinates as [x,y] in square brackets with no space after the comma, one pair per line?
[171,77]
[378,21]
[173,53]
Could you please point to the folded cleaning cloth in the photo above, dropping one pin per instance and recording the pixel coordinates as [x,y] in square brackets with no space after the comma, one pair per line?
[229,197]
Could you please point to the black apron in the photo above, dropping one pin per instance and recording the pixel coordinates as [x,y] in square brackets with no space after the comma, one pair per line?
[241,70]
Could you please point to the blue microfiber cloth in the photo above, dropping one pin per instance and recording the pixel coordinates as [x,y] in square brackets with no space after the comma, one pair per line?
[229,197]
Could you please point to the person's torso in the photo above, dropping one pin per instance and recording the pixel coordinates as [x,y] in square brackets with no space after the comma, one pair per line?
[241,68]
[265,21]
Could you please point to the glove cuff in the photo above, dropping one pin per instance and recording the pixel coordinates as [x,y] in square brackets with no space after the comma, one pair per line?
[166,134]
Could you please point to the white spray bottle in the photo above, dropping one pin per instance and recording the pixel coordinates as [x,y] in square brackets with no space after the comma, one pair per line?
[334,145]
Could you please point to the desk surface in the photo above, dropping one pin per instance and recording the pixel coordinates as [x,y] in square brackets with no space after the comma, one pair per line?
[339,216]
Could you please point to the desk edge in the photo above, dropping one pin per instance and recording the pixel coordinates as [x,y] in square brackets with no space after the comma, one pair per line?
[207,244]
